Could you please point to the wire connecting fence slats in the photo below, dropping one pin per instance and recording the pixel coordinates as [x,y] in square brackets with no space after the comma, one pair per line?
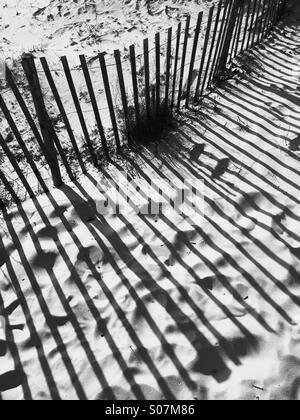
[111,101]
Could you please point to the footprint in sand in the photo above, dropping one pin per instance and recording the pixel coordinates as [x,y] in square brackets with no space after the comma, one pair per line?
[48,232]
[11,380]
[58,321]
[294,145]
[221,168]
[197,151]
[85,212]
[89,258]
[44,260]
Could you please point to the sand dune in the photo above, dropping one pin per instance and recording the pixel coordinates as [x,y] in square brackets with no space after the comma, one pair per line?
[61,27]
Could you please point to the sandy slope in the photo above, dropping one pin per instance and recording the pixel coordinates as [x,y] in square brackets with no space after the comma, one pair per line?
[153,307]
[65,26]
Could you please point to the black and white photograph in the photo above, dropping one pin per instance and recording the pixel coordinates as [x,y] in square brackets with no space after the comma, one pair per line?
[150,203]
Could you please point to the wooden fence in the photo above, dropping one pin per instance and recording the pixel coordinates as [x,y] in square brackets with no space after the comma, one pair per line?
[128,96]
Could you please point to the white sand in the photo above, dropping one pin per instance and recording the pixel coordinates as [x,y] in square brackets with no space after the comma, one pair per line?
[124,307]
[64,27]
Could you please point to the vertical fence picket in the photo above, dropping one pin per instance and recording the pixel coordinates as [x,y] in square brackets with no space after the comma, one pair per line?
[282,8]
[256,22]
[212,50]
[235,34]
[48,132]
[249,44]
[123,93]
[186,38]
[175,67]
[220,41]
[51,140]
[265,19]
[261,21]
[16,166]
[90,88]
[62,111]
[22,144]
[157,63]
[246,28]
[273,20]
[153,99]
[193,57]
[135,86]
[71,85]
[9,188]
[110,101]
[168,69]
[11,82]
[147,79]
[227,41]
[241,20]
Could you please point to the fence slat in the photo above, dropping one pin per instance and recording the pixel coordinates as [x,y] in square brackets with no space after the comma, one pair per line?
[37,95]
[16,166]
[123,93]
[249,44]
[228,37]
[269,18]
[147,79]
[23,106]
[22,144]
[9,188]
[48,132]
[157,62]
[235,34]
[256,18]
[74,95]
[272,20]
[135,85]
[248,16]
[90,88]
[193,57]
[204,51]
[62,111]
[110,101]
[266,22]
[257,23]
[168,68]
[239,29]
[261,22]
[220,41]
[211,50]
[265,18]
[175,67]
[185,45]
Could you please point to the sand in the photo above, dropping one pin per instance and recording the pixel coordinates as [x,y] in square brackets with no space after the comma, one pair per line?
[131,306]
[60,27]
